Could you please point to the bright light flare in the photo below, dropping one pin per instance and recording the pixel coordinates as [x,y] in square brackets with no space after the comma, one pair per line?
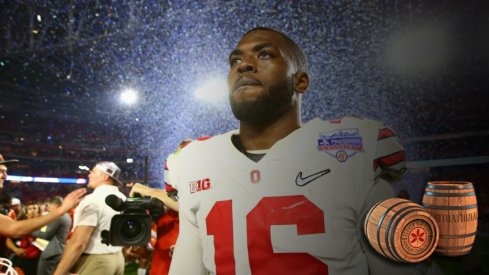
[129,96]
[420,50]
[213,90]
[83,167]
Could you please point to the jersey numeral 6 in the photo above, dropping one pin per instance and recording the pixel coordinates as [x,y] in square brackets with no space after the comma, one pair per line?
[284,210]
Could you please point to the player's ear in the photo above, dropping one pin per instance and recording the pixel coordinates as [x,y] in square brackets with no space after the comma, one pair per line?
[301,82]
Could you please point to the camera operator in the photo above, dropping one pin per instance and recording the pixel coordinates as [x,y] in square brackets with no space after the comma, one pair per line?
[14,229]
[167,226]
[84,252]
[162,195]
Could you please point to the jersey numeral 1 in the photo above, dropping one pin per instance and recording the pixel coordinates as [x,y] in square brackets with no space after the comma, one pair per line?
[269,211]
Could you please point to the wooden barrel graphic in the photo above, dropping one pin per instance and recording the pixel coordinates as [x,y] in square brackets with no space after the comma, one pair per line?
[401,230]
[454,207]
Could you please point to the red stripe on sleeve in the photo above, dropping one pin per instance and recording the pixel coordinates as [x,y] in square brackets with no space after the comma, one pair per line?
[392,159]
[169,188]
[202,138]
[385,133]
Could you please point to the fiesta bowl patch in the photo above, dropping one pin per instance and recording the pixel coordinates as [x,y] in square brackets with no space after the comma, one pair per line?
[341,144]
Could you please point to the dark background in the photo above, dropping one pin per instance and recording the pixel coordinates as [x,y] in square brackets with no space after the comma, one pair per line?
[419,66]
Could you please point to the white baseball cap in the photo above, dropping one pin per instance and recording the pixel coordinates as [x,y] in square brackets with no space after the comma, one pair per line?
[110,169]
[15,201]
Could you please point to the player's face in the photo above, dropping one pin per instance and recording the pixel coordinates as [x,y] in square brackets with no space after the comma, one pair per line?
[3,174]
[260,79]
[95,177]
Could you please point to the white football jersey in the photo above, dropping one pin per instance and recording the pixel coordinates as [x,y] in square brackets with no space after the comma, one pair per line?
[299,210]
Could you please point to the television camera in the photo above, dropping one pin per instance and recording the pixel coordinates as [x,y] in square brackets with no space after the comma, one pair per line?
[133,225]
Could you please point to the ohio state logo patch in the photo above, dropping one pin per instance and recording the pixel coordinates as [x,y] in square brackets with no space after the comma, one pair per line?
[341,144]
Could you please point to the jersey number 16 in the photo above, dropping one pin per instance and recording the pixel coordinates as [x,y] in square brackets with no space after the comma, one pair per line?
[283,210]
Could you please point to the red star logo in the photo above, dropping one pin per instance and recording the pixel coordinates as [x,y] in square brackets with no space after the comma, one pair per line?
[417,237]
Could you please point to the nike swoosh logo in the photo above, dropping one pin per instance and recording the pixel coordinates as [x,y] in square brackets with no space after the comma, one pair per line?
[302,181]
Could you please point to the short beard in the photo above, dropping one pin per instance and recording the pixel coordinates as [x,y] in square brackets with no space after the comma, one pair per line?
[268,107]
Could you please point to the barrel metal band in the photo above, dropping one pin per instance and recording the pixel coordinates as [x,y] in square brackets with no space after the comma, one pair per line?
[403,212]
[453,247]
[454,187]
[458,236]
[379,227]
[438,194]
[365,222]
[440,207]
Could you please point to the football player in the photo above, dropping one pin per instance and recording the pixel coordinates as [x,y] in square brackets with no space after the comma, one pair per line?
[277,196]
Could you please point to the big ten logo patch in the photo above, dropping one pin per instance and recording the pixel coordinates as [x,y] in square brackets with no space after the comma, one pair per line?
[200,185]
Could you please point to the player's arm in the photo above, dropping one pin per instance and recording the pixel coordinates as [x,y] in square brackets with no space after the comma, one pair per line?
[74,248]
[390,158]
[162,195]
[378,264]
[88,215]
[16,229]
[187,254]
[389,165]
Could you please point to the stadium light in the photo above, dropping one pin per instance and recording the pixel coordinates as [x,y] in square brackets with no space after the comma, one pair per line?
[129,96]
[46,180]
[83,167]
[213,90]
[422,50]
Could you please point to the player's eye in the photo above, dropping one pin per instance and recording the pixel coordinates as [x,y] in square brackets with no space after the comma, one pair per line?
[264,54]
[234,61]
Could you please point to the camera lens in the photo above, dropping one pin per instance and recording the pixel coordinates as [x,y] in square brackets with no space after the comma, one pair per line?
[131,228]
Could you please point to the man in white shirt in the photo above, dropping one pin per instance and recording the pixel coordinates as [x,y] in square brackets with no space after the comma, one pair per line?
[84,252]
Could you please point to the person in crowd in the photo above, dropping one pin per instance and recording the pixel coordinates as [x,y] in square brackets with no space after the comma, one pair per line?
[16,207]
[140,255]
[166,227]
[56,233]
[15,229]
[85,253]
[277,196]
[33,210]
[26,254]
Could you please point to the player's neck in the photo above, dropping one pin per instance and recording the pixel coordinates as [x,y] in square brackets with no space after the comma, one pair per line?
[254,155]
[255,136]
